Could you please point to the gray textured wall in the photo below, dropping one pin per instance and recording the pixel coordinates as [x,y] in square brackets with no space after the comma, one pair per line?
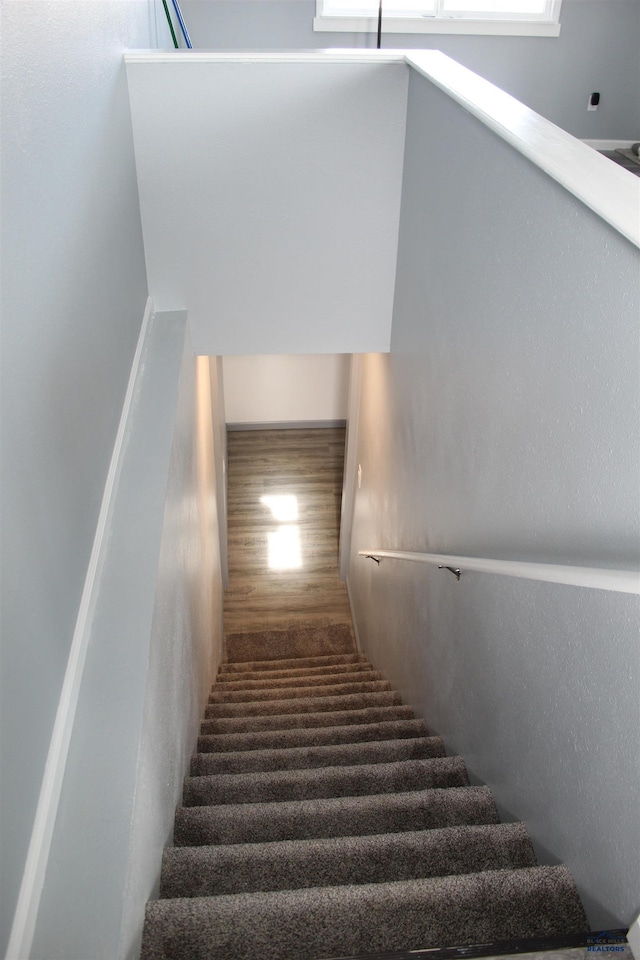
[597,50]
[74,291]
[504,423]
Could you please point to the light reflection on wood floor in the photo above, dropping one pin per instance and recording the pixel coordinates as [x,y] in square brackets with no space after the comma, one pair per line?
[307,465]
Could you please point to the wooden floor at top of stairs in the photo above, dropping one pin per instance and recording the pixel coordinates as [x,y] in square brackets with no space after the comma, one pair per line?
[307,465]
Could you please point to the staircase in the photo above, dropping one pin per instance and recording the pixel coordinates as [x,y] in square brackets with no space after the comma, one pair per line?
[321,820]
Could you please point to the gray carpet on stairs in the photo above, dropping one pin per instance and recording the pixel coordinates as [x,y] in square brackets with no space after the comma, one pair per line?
[323,718]
[303,676]
[312,680]
[328,755]
[320,819]
[278,644]
[334,816]
[291,864]
[353,781]
[269,668]
[321,922]
[335,689]
[358,732]
[305,704]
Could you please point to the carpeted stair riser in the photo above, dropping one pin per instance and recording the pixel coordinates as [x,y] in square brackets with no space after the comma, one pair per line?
[264,667]
[298,693]
[331,640]
[292,864]
[334,817]
[265,708]
[288,721]
[324,783]
[304,758]
[296,687]
[232,681]
[334,921]
[311,736]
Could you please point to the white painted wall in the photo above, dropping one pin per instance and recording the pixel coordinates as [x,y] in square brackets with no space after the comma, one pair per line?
[155,642]
[286,388]
[220,447]
[350,475]
[270,197]
[504,423]
[186,640]
[73,296]
[554,76]
[74,289]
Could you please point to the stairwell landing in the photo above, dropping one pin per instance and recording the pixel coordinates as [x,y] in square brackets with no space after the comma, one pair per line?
[322,820]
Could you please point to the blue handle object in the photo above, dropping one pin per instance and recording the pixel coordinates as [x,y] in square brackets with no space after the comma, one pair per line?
[183,26]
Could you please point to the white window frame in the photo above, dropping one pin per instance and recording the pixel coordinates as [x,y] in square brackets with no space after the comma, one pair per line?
[512,25]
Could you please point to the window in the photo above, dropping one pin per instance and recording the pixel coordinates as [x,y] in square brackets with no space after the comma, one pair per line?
[507,17]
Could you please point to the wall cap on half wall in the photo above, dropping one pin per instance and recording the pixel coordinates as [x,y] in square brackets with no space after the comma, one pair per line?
[607,189]
[604,187]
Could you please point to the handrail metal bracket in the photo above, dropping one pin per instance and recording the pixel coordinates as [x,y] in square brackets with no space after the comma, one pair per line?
[369,556]
[454,570]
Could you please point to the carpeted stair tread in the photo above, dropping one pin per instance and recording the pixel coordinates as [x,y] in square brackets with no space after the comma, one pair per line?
[337,921]
[292,864]
[307,704]
[289,663]
[304,737]
[285,721]
[299,692]
[283,785]
[334,817]
[298,758]
[334,639]
[294,674]
[297,687]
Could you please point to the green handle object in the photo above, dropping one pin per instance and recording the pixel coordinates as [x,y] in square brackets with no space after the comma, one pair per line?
[173,33]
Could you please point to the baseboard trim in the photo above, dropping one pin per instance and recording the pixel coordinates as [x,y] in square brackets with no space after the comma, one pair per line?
[288,425]
[26,912]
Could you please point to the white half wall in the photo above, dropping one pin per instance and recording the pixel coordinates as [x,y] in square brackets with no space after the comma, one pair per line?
[270,198]
[220,449]
[185,649]
[74,289]
[154,642]
[286,388]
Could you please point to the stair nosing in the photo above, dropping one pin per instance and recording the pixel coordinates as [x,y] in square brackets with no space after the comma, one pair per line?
[302,752]
[211,711]
[354,780]
[332,734]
